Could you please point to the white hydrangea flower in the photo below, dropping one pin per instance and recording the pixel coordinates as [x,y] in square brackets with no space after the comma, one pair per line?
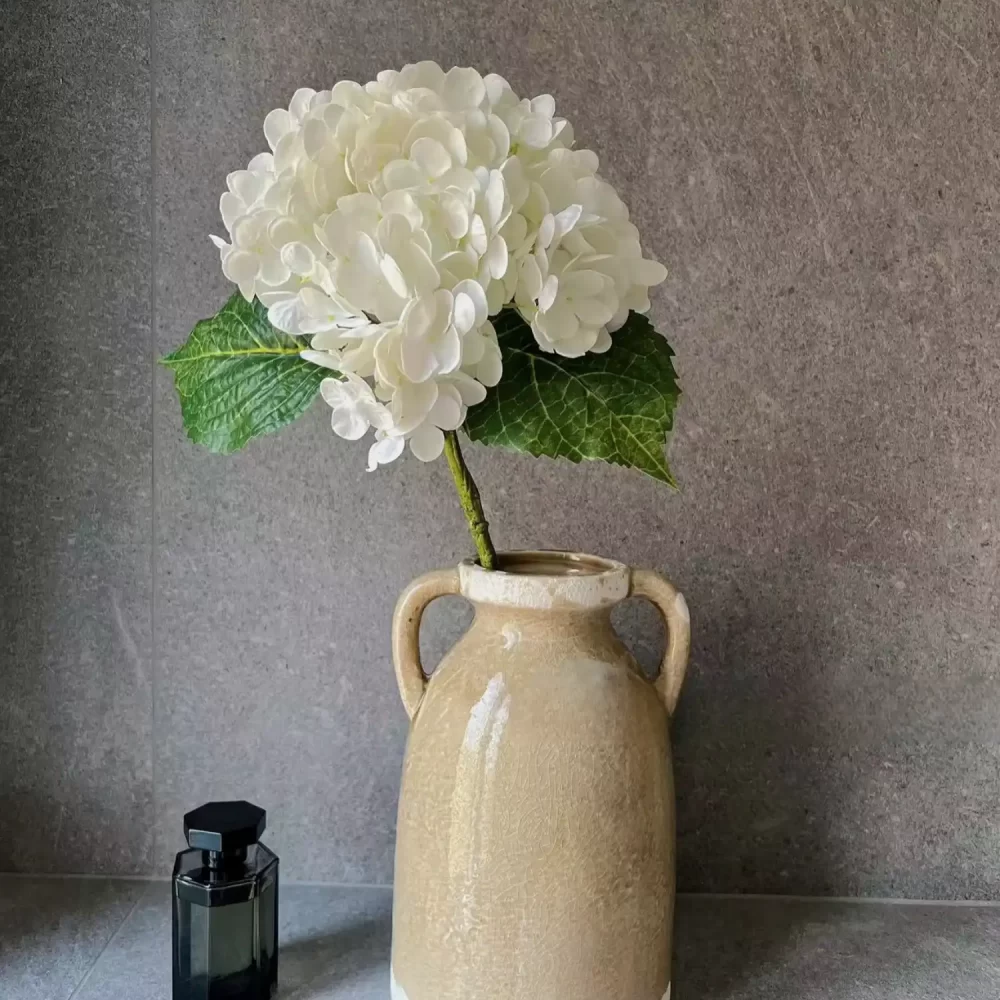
[355,407]
[390,221]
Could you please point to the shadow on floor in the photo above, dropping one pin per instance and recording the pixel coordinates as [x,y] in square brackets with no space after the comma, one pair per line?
[312,964]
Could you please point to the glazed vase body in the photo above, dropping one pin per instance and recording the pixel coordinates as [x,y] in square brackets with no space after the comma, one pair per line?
[535,843]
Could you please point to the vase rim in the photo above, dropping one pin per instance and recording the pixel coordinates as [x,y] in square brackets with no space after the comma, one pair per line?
[546,580]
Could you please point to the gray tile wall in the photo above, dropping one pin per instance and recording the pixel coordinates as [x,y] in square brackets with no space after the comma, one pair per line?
[76,787]
[823,181]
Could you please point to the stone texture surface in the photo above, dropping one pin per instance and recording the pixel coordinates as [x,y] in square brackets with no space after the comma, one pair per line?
[75,437]
[335,946]
[52,931]
[759,949]
[334,942]
[822,181]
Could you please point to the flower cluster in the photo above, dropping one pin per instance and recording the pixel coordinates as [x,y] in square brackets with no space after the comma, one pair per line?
[391,220]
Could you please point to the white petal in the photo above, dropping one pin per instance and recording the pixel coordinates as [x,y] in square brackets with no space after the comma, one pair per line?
[402,203]
[301,99]
[489,370]
[276,125]
[515,181]
[567,219]
[333,391]
[262,163]
[348,424]
[496,257]
[603,342]
[500,135]
[219,242]
[384,451]
[419,270]
[241,266]
[328,340]
[544,104]
[584,283]
[619,319]
[647,272]
[315,136]
[347,93]
[231,208]
[458,264]
[547,296]
[475,292]
[456,216]
[298,258]
[478,239]
[439,128]
[393,233]
[447,411]
[593,312]
[559,323]
[273,270]
[417,359]
[427,443]
[496,297]
[515,231]
[497,88]
[432,158]
[419,316]
[536,204]
[579,344]
[285,153]
[284,230]
[402,174]
[637,299]
[529,278]
[322,358]
[247,185]
[536,131]
[411,403]
[286,314]
[463,88]
[361,205]
[586,161]
[464,316]
[473,348]
[365,254]
[546,231]
[448,351]
[494,199]
[393,274]
[471,391]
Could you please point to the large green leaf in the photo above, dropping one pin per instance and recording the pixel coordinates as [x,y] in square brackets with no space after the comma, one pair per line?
[238,377]
[616,407]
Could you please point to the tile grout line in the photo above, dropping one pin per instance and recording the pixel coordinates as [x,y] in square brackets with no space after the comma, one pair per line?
[154,800]
[983,904]
[107,944]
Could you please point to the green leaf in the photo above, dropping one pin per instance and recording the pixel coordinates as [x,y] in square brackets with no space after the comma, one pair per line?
[616,407]
[238,377]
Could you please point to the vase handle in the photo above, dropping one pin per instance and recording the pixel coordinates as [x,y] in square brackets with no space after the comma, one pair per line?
[673,607]
[410,674]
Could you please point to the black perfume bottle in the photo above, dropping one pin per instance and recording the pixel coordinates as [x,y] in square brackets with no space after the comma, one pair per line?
[225,906]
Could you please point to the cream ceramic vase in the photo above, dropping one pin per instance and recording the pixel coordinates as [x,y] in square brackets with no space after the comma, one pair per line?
[535,847]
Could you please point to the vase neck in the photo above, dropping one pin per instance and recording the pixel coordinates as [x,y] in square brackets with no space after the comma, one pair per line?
[542,581]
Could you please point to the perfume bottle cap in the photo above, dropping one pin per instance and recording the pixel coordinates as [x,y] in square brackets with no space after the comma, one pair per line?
[224,826]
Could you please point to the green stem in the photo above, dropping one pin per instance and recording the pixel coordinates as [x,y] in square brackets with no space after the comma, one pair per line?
[472,506]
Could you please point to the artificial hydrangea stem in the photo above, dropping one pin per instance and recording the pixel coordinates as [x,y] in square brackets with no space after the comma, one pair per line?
[472,506]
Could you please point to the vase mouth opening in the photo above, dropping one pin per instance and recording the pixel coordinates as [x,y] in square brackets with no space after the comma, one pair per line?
[546,580]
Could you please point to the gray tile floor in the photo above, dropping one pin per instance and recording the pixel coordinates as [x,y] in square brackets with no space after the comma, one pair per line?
[104,939]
